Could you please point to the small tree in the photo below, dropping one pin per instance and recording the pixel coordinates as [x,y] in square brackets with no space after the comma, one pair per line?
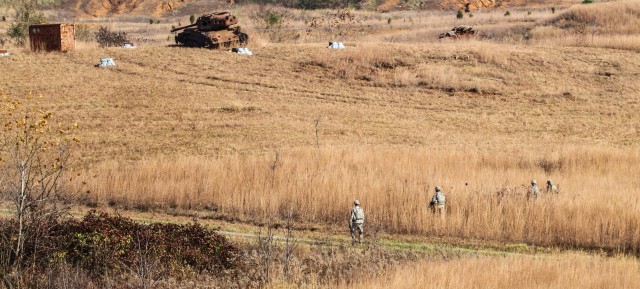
[507,13]
[192,19]
[34,155]
[553,9]
[26,15]
[460,14]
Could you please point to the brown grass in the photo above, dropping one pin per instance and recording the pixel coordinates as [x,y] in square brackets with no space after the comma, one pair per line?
[196,128]
[513,272]
[596,209]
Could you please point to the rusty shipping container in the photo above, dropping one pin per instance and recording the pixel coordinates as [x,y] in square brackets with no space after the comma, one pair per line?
[52,37]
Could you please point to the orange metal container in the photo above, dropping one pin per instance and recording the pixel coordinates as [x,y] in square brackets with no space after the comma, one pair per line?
[52,37]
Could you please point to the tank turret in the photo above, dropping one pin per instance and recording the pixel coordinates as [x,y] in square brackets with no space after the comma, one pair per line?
[212,30]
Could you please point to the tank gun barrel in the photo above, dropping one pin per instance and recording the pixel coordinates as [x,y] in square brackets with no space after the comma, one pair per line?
[183,27]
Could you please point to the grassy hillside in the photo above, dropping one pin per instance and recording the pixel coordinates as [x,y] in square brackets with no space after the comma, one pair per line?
[385,120]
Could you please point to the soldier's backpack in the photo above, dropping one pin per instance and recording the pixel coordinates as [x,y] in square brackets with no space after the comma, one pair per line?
[359,214]
[441,199]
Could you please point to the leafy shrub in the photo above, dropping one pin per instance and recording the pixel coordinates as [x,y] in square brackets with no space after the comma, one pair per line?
[587,1]
[274,23]
[460,14]
[192,18]
[108,38]
[26,15]
[106,245]
[507,13]
[270,18]
[553,9]
[84,33]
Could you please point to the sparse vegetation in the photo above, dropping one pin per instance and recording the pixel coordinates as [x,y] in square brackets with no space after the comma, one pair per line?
[26,15]
[107,38]
[84,33]
[460,14]
[102,247]
[286,139]
[273,22]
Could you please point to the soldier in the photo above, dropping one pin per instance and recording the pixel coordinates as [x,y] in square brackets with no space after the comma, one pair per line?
[356,222]
[534,191]
[551,188]
[438,201]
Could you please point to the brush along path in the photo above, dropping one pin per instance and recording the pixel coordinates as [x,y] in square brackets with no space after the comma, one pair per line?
[313,235]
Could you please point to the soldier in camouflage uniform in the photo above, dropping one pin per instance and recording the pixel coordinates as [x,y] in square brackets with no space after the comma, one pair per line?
[438,201]
[356,222]
[551,188]
[534,191]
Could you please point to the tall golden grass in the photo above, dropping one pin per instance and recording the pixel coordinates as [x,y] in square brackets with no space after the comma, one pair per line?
[513,272]
[596,209]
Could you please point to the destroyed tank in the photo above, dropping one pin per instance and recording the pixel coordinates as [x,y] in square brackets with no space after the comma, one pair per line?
[212,31]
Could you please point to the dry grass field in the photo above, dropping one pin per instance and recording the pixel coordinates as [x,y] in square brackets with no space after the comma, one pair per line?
[512,272]
[298,126]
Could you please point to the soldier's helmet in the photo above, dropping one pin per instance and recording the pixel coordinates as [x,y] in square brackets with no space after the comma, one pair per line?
[356,203]
[438,189]
[533,182]
[549,182]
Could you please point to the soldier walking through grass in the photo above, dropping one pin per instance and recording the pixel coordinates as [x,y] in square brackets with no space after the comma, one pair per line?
[356,222]
[534,191]
[551,188]
[438,202]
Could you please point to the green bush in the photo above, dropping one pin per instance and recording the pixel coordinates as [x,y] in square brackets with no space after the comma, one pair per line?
[192,18]
[553,9]
[507,13]
[587,1]
[460,14]
[151,21]
[26,15]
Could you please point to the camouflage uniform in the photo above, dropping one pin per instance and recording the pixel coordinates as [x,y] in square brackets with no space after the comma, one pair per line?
[356,222]
[438,201]
[551,188]
[534,191]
